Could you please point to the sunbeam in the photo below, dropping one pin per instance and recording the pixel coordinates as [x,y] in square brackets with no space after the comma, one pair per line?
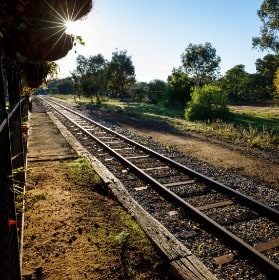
[73,27]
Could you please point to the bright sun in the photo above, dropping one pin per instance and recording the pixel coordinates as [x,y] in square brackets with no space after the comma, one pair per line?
[73,27]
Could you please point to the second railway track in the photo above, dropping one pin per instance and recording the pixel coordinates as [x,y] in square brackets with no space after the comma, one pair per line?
[190,197]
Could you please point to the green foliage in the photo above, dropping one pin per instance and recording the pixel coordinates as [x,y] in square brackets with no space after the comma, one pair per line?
[269,15]
[243,87]
[119,240]
[208,103]
[79,40]
[140,92]
[121,73]
[200,248]
[201,62]
[81,172]
[28,201]
[65,86]
[235,83]
[179,88]
[90,76]
[257,127]
[157,89]
[267,67]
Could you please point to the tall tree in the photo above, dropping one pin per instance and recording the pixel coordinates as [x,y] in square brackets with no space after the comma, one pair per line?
[96,64]
[179,88]
[234,83]
[121,73]
[267,67]
[82,65]
[269,15]
[139,92]
[66,86]
[201,62]
[157,89]
[93,75]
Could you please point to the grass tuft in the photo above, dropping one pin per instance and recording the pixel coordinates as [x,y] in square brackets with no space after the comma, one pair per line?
[80,172]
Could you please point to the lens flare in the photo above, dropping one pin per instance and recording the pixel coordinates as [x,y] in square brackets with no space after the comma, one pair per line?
[72,27]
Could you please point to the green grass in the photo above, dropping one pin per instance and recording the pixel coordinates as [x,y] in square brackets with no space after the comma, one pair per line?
[256,119]
[80,172]
[256,127]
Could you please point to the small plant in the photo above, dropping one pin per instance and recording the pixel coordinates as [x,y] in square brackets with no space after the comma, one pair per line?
[81,172]
[120,239]
[200,249]
[28,200]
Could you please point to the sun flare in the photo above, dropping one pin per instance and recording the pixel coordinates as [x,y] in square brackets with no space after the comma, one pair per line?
[73,27]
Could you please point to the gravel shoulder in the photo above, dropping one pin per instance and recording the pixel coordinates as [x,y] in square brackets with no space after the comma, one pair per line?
[251,162]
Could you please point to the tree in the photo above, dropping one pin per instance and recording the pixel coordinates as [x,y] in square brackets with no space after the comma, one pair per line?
[121,73]
[139,92]
[96,64]
[157,89]
[91,74]
[76,78]
[66,86]
[234,83]
[267,68]
[209,102]
[269,15]
[179,88]
[82,65]
[201,62]
[255,88]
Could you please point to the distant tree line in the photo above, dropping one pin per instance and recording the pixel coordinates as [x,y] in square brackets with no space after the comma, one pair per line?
[96,77]
[196,84]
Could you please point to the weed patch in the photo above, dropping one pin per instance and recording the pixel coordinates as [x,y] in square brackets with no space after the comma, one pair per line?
[29,201]
[80,172]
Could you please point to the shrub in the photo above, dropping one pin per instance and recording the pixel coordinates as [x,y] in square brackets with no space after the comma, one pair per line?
[209,102]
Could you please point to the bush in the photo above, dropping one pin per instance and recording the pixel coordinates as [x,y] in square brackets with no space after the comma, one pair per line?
[209,102]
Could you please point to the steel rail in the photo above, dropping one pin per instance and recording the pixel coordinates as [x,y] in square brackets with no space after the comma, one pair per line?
[257,206]
[267,265]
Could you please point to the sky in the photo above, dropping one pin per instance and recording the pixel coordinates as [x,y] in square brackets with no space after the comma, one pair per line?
[155,33]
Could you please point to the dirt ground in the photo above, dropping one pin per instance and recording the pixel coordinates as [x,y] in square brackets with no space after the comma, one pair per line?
[72,232]
[249,162]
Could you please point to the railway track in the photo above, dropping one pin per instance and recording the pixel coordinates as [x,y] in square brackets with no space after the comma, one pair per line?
[219,209]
